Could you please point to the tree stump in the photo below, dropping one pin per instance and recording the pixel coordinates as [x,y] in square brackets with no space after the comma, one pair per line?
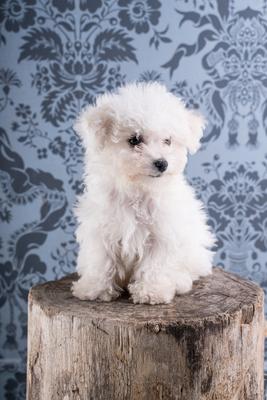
[207,344]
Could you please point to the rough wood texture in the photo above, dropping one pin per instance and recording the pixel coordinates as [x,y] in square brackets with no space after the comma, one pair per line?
[207,345]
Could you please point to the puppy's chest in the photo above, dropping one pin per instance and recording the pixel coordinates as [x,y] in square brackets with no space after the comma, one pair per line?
[140,212]
[133,223]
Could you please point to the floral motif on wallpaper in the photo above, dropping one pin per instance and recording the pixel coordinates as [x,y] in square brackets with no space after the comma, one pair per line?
[67,52]
[235,195]
[76,54]
[236,68]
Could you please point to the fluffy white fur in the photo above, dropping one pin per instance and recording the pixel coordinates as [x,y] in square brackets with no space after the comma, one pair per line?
[139,228]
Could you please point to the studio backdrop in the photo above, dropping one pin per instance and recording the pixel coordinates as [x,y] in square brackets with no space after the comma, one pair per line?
[56,56]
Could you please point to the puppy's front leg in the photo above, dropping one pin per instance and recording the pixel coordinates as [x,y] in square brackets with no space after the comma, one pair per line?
[153,281]
[96,270]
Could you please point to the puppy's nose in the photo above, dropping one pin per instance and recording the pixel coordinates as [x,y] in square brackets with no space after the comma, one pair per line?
[161,164]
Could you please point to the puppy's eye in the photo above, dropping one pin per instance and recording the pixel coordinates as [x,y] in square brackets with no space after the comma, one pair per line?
[168,141]
[135,140]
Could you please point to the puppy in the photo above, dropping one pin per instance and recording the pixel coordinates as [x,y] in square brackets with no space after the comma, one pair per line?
[141,227]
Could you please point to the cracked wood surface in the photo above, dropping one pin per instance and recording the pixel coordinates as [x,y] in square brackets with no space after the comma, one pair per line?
[206,345]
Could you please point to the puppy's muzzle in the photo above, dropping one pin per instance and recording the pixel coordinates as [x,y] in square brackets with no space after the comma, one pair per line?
[161,164]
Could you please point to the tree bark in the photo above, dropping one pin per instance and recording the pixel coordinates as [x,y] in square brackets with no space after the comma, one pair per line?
[207,344]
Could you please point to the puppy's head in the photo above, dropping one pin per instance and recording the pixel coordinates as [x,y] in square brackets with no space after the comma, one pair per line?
[143,131]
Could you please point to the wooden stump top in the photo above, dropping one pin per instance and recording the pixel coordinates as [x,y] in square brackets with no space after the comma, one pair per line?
[215,297]
[206,345]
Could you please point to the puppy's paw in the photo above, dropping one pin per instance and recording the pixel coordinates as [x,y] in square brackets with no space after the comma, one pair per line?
[183,283]
[89,291]
[151,294]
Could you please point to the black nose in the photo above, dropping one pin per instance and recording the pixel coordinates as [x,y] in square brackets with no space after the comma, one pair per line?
[161,164]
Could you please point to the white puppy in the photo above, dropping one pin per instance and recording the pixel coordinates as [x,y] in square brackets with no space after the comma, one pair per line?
[140,224]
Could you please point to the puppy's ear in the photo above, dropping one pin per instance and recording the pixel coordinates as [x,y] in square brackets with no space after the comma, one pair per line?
[94,125]
[196,123]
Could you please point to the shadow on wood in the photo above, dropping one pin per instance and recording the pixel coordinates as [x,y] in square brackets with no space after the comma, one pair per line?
[207,344]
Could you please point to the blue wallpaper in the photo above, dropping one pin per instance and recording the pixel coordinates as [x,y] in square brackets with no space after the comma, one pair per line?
[56,56]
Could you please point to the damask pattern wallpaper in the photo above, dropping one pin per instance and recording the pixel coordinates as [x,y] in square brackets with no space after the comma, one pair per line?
[56,56]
